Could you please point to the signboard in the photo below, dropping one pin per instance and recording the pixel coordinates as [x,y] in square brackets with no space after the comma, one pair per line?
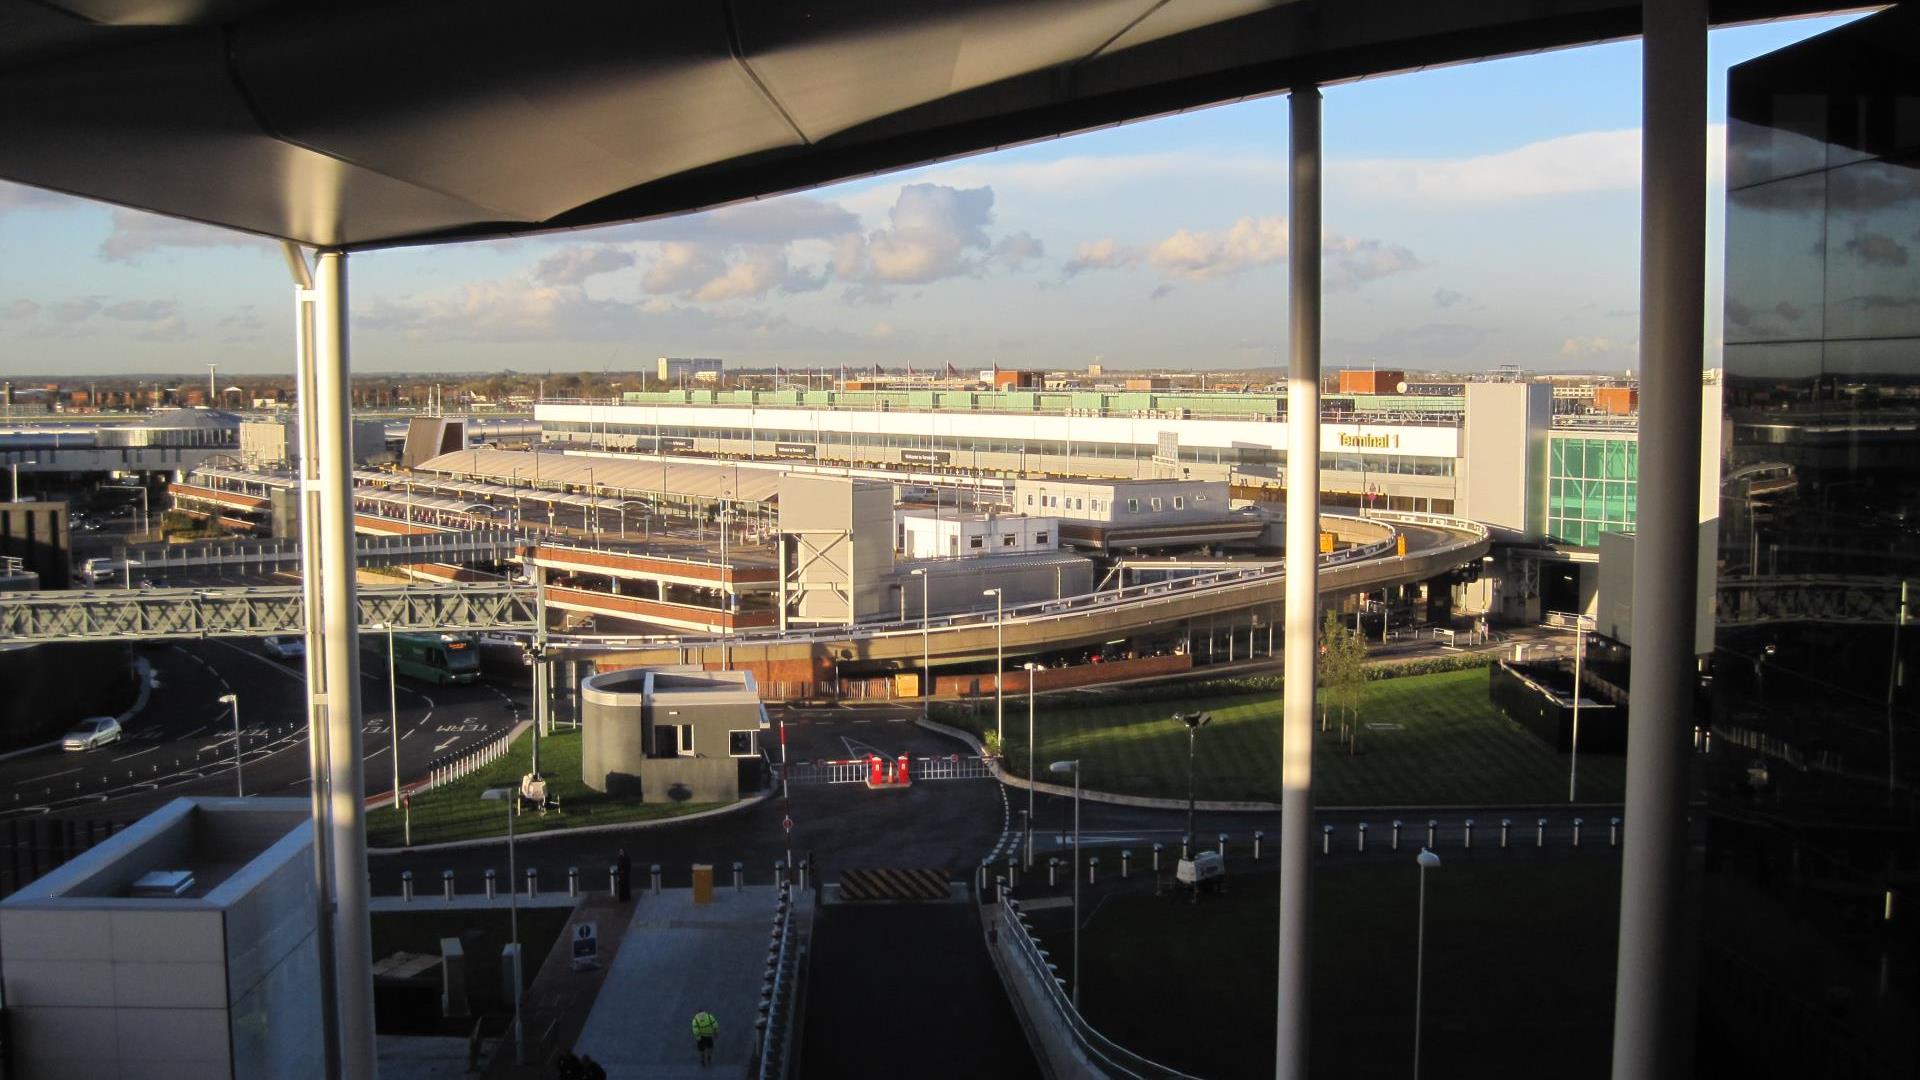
[794,450]
[586,945]
[926,457]
[786,823]
[676,446]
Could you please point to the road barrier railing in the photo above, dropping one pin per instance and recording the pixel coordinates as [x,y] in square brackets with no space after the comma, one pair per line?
[446,770]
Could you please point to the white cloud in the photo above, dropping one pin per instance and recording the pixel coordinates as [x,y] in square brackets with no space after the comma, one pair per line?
[22,309]
[77,310]
[1199,256]
[1015,250]
[770,221]
[135,234]
[712,273]
[1598,348]
[574,265]
[141,310]
[1103,254]
[22,197]
[931,234]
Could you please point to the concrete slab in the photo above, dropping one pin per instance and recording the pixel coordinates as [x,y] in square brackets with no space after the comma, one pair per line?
[676,959]
[421,1057]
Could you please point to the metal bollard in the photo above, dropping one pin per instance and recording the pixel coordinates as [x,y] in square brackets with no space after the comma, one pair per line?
[406,885]
[654,870]
[573,881]
[1506,830]
[1326,839]
[1613,832]
[1577,822]
[1396,834]
[806,871]
[1433,828]
[1156,856]
[1361,832]
[1257,837]
[1469,841]
[1093,869]
[1053,871]
[533,882]
[446,883]
[1013,871]
[1540,832]
[1223,846]
[1186,843]
[739,875]
[613,879]
[779,871]
[1126,861]
[492,887]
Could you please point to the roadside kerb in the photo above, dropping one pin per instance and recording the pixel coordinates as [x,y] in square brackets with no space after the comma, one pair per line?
[584,830]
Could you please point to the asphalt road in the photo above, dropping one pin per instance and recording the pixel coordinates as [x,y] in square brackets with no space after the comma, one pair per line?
[182,741]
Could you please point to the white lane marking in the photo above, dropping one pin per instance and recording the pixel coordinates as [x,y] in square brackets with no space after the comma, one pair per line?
[213,746]
[446,744]
[48,776]
[135,754]
[194,732]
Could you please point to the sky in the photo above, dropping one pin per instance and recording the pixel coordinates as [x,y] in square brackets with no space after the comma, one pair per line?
[1475,216]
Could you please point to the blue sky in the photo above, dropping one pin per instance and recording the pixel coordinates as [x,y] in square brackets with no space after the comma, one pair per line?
[1478,215]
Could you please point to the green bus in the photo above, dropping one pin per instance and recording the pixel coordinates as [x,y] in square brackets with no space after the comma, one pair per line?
[438,658]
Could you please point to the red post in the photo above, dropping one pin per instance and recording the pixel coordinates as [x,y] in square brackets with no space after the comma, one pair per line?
[873,770]
[905,773]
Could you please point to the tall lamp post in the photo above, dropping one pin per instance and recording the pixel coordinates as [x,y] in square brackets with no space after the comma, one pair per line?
[1194,721]
[999,663]
[1580,628]
[16,476]
[393,722]
[506,795]
[1032,669]
[926,661]
[239,786]
[1428,861]
[1074,768]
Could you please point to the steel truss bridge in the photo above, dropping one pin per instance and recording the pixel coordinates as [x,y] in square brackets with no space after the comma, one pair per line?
[58,617]
[465,546]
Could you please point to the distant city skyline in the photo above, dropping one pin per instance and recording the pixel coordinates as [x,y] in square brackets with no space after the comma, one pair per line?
[1476,216]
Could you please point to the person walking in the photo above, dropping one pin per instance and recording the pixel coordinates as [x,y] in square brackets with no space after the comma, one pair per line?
[624,871]
[705,1029]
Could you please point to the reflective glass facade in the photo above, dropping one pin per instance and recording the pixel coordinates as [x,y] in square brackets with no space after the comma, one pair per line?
[1808,964]
[1591,482]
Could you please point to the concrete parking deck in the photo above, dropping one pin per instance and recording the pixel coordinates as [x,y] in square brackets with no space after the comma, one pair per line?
[676,959]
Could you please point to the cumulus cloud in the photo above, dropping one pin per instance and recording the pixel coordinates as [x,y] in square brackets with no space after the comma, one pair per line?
[771,221]
[1876,249]
[22,309]
[1015,250]
[1351,262]
[77,310]
[1200,256]
[169,328]
[141,310]
[932,233]
[135,234]
[1104,254]
[1565,165]
[574,265]
[712,273]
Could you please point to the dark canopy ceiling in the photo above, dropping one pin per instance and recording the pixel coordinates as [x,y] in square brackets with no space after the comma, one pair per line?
[363,125]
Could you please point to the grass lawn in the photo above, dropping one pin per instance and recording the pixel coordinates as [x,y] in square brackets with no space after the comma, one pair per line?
[1519,971]
[457,812]
[1451,747]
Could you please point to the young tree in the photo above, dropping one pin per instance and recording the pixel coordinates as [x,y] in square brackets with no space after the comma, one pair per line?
[1343,675]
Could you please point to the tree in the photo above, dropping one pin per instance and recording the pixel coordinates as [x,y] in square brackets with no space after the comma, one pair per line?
[1343,676]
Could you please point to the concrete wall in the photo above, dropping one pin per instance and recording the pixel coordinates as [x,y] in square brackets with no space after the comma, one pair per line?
[689,779]
[1504,459]
[613,734]
[1614,597]
[38,533]
[1083,500]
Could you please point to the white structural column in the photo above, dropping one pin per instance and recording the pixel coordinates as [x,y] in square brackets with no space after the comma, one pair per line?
[1653,1001]
[352,936]
[316,658]
[1303,543]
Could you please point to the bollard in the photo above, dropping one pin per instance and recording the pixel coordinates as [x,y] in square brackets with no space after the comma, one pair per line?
[446,883]
[1539,832]
[1326,839]
[779,871]
[1223,846]
[1093,869]
[1257,837]
[1506,829]
[1577,822]
[1186,842]
[1053,871]
[1156,857]
[1013,871]
[653,869]
[806,870]
[1396,834]
[739,876]
[1613,832]
[1469,833]
[1361,832]
[533,882]
[573,881]
[1432,830]
[492,888]
[613,879]
[406,885]
[1126,861]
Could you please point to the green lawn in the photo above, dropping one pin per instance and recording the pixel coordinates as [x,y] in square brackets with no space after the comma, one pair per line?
[1519,970]
[457,812]
[1451,747]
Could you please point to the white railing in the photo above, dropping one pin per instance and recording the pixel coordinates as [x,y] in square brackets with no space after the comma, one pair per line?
[447,770]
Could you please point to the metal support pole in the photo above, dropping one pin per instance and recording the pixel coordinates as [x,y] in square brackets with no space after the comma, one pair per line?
[353,939]
[1653,999]
[1397,826]
[1258,835]
[1302,528]
[1361,832]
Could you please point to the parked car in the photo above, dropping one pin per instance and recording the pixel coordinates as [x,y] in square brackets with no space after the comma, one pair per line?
[92,732]
[95,571]
[287,648]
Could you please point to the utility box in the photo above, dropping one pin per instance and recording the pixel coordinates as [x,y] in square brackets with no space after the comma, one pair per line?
[702,883]
[453,978]
[1204,869]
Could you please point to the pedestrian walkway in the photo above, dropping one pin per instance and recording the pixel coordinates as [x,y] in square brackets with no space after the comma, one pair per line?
[676,959]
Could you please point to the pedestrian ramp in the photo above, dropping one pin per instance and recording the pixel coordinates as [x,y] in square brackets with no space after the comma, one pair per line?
[894,884]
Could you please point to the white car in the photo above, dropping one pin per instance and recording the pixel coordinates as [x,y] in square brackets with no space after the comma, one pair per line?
[92,732]
[287,648]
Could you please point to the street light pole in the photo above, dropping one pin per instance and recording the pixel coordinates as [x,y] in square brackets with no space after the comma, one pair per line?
[239,786]
[1194,722]
[1428,861]
[393,723]
[1074,767]
[513,920]
[999,663]
[926,661]
[1573,749]
[1032,669]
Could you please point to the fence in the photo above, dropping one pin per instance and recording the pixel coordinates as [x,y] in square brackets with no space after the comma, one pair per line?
[779,990]
[446,770]
[856,771]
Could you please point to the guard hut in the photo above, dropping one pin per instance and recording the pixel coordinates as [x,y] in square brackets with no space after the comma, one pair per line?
[672,734]
[184,946]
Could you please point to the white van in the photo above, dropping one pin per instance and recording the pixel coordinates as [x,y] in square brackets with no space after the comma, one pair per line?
[95,571]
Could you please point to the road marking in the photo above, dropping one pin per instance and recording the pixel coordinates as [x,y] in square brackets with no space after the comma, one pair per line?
[48,776]
[135,754]
[446,744]
[213,746]
[193,733]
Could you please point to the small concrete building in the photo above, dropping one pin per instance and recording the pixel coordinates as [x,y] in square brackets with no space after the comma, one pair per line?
[1123,502]
[184,947]
[674,734]
[956,534]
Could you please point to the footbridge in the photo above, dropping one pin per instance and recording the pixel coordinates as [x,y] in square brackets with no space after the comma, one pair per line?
[260,611]
[1242,596]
